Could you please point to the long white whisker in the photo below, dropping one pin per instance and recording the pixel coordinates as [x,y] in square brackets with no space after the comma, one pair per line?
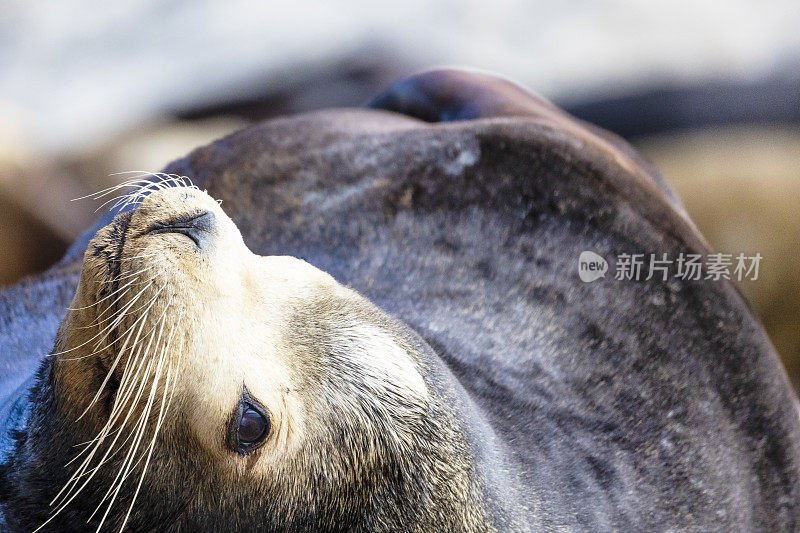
[126,388]
[159,421]
[98,347]
[127,276]
[105,430]
[79,473]
[114,365]
[122,397]
[102,299]
[128,464]
[109,327]
[134,283]
[109,190]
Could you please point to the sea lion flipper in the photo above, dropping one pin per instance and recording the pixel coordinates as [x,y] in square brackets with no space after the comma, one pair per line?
[449,95]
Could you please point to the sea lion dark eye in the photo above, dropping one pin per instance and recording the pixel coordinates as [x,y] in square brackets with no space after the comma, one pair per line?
[249,426]
[252,426]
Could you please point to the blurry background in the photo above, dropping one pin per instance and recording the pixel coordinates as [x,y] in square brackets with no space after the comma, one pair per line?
[708,90]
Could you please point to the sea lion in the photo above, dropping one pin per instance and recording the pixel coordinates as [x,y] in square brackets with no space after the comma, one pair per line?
[441,366]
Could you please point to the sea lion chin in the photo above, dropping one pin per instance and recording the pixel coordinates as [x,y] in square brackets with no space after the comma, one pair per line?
[217,378]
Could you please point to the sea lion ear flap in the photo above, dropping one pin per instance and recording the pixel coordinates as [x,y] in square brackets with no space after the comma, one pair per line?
[451,95]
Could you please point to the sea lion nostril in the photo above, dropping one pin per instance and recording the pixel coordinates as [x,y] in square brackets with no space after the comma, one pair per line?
[196,226]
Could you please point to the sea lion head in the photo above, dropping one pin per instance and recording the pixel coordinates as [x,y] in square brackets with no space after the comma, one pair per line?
[214,389]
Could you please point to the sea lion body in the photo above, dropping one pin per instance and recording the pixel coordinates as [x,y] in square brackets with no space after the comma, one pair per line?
[557,404]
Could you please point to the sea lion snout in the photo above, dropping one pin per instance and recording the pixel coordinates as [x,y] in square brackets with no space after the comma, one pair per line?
[182,231]
[182,211]
[200,228]
[175,253]
[174,235]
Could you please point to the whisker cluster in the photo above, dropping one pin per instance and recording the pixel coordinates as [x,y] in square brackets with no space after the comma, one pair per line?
[141,183]
[150,368]
[149,372]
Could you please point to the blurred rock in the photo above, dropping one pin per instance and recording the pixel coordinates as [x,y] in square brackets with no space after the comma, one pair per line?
[83,70]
